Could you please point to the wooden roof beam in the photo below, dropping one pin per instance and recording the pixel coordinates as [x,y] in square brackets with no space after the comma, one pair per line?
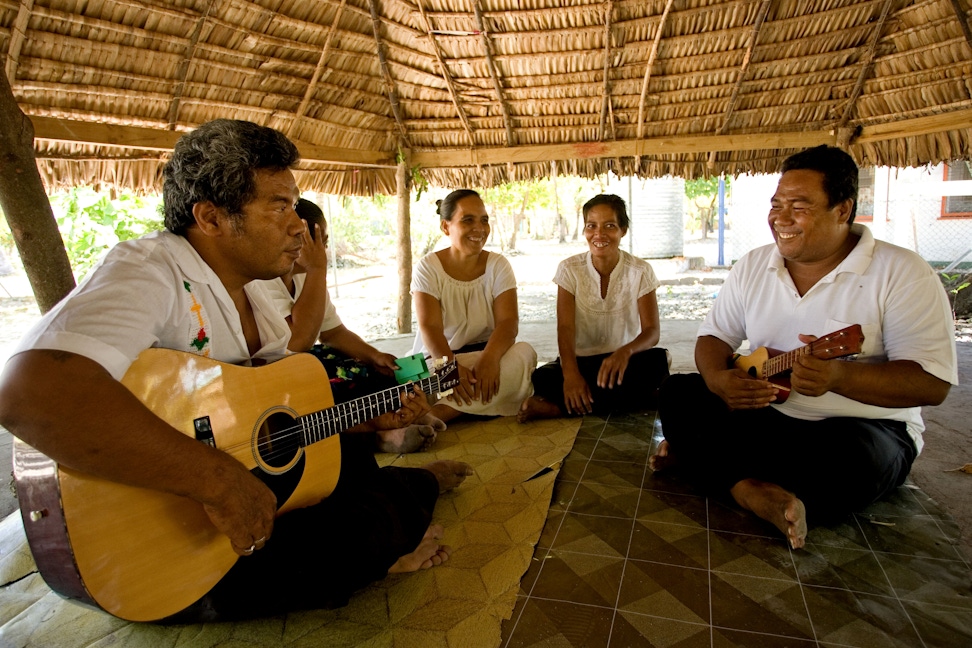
[17,35]
[182,72]
[955,120]
[94,134]
[446,76]
[606,90]
[867,60]
[136,137]
[386,74]
[963,19]
[651,61]
[318,73]
[494,74]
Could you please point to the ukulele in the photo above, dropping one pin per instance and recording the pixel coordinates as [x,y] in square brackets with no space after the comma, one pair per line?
[775,366]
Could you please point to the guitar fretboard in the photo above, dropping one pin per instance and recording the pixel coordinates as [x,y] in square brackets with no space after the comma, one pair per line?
[318,426]
[784,361]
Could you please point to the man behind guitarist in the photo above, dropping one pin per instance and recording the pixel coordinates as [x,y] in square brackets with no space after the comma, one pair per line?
[848,432]
[229,197]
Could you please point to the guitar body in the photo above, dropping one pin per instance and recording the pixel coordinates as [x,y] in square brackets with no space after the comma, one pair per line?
[141,554]
[754,364]
[775,366]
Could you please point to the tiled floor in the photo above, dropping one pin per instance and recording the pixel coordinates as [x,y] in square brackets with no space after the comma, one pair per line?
[632,558]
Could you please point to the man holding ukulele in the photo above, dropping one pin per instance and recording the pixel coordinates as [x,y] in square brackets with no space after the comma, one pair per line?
[848,431]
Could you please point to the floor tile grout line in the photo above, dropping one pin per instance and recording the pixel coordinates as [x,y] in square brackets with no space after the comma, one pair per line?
[876,552]
[529,594]
[849,590]
[627,553]
[708,573]
[803,594]
[955,549]
[739,630]
[894,591]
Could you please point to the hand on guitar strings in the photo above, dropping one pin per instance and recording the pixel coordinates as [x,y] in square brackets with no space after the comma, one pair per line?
[813,376]
[414,405]
[739,390]
[241,506]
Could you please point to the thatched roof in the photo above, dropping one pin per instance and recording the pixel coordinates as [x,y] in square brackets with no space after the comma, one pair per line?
[481,91]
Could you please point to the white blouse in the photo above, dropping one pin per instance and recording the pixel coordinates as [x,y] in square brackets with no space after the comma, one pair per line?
[605,325]
[467,306]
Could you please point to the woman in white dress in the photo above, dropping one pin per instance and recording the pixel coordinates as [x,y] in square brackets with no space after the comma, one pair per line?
[607,326]
[465,302]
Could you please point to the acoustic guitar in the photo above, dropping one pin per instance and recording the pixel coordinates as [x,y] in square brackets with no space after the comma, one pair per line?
[775,366]
[143,555]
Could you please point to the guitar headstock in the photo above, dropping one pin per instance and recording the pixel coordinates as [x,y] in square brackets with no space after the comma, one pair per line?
[448,375]
[838,344]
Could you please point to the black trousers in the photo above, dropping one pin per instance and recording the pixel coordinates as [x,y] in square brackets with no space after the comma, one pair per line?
[318,556]
[645,372]
[836,465]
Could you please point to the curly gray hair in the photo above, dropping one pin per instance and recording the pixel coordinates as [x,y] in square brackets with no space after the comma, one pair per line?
[216,163]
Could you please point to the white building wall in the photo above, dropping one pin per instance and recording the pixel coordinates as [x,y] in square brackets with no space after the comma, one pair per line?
[907,212]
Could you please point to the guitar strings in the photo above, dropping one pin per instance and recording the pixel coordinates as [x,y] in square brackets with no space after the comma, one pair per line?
[342,422]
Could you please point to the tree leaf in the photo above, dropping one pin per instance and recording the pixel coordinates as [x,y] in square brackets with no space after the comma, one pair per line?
[967,469]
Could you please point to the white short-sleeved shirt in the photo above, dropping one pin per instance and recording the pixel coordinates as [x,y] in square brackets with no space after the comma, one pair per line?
[285,303]
[467,306]
[605,325]
[156,291]
[891,292]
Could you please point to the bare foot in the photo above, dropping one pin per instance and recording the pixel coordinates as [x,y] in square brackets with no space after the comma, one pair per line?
[537,408]
[427,419]
[406,439]
[443,412]
[776,505]
[428,553]
[449,473]
[662,458]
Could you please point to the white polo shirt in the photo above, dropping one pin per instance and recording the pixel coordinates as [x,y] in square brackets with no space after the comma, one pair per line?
[891,292]
[156,291]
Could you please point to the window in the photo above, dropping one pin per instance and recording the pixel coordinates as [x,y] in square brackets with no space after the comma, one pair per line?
[865,195]
[957,206]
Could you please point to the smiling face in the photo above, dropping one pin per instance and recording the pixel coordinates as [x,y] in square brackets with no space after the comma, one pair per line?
[603,232]
[468,228]
[806,230]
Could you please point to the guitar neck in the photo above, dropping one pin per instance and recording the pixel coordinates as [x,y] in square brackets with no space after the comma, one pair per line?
[838,344]
[785,361]
[318,426]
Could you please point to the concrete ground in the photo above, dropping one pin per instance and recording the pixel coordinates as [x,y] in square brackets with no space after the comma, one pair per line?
[948,437]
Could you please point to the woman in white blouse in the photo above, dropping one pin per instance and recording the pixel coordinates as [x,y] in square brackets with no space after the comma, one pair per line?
[607,326]
[465,301]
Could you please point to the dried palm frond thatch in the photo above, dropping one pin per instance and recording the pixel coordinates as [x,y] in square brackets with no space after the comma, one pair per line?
[485,91]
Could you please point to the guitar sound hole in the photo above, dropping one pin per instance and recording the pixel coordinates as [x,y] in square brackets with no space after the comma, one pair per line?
[752,372]
[278,440]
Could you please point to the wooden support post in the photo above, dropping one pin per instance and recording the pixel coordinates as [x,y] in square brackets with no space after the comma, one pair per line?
[403,186]
[25,205]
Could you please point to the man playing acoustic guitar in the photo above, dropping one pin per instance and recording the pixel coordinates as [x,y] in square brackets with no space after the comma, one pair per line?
[229,197]
[848,432]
